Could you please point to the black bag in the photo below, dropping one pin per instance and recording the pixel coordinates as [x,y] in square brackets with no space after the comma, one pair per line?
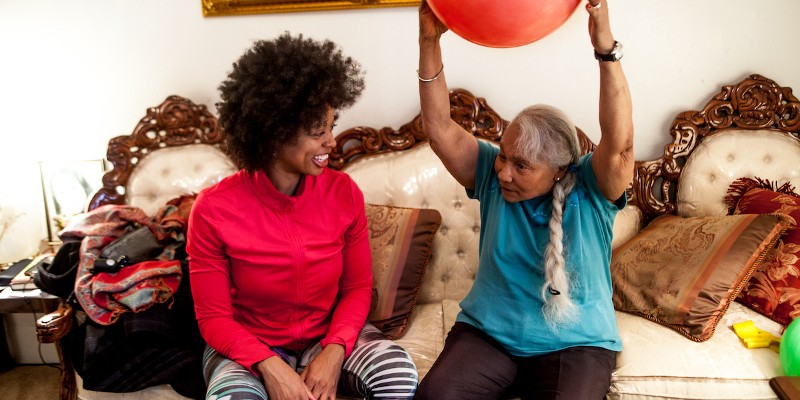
[58,277]
[130,248]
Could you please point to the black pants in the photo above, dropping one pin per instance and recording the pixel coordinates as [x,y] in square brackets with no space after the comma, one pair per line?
[474,366]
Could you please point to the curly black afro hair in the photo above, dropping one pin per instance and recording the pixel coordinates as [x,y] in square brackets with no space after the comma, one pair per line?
[279,87]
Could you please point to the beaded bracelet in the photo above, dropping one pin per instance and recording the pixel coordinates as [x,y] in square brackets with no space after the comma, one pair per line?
[421,79]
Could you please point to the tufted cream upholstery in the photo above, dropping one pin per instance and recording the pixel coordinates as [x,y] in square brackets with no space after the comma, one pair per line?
[170,172]
[416,178]
[730,155]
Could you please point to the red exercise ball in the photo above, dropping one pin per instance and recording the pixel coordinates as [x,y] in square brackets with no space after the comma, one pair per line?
[503,23]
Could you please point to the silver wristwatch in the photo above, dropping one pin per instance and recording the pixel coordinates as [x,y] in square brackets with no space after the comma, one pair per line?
[613,56]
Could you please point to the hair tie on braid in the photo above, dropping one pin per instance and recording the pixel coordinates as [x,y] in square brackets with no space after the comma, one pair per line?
[554,292]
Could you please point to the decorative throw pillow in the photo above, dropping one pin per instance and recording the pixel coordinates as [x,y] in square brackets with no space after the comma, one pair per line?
[774,288]
[683,273]
[400,239]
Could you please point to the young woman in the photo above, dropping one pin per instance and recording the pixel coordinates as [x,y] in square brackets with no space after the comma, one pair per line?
[278,252]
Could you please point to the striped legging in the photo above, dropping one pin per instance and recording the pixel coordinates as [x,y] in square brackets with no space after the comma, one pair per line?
[376,369]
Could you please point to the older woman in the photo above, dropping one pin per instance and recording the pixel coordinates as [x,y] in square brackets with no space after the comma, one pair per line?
[539,321]
[279,253]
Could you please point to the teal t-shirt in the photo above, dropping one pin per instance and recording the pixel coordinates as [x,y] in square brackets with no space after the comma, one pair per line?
[505,301]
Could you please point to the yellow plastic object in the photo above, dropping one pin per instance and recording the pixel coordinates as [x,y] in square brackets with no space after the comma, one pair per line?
[754,338]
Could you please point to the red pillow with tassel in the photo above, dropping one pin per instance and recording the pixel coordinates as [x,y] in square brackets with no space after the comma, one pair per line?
[774,288]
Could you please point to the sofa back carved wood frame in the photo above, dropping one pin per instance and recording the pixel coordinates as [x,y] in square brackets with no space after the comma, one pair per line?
[756,103]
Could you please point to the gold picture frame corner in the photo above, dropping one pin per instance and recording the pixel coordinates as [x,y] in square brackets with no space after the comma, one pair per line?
[215,8]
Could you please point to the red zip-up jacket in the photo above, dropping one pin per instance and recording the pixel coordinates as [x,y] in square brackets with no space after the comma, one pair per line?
[269,269]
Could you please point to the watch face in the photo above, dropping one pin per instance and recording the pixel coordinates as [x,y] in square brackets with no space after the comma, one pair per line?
[617,51]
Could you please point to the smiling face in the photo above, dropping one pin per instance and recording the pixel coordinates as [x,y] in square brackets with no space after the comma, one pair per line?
[308,155]
[520,179]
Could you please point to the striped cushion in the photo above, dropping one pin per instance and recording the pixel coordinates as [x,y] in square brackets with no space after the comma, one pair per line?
[400,239]
[684,272]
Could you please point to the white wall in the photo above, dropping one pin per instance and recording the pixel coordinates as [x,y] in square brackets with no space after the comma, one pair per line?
[74,73]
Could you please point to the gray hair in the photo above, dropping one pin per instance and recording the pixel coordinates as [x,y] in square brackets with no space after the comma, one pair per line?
[548,136]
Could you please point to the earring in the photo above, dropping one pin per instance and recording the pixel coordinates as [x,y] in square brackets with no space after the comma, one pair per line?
[557,179]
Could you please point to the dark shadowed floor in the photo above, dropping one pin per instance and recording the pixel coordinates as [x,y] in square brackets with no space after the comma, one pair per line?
[30,382]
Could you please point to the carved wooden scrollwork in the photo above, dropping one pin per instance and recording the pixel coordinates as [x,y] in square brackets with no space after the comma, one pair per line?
[473,113]
[754,103]
[362,141]
[469,111]
[176,122]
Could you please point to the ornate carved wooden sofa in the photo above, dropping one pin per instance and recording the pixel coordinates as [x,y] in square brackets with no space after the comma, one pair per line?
[748,129]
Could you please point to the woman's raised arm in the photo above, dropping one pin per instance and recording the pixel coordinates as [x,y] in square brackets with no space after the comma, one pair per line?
[613,158]
[456,147]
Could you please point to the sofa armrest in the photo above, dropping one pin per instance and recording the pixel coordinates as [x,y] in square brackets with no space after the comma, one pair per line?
[628,223]
[51,328]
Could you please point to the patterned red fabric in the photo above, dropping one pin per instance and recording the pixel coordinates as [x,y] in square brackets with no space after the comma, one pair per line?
[106,296]
[135,288]
[774,288]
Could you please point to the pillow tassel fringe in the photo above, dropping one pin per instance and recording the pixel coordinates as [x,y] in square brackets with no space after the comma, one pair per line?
[739,187]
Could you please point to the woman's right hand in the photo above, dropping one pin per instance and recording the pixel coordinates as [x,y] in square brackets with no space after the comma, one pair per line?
[430,27]
[281,381]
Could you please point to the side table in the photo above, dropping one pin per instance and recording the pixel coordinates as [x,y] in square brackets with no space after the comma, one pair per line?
[21,301]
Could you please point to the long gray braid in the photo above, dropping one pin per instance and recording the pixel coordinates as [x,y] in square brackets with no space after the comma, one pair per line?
[549,137]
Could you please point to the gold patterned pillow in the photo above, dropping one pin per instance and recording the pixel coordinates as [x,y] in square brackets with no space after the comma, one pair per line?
[684,272]
[400,240]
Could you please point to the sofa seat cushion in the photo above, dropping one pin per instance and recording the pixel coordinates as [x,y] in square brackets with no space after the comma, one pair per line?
[424,338]
[160,392]
[659,363]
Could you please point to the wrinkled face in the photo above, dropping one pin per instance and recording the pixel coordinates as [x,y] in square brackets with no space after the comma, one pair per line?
[309,155]
[519,178]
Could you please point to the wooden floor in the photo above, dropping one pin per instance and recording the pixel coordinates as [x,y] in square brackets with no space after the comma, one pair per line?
[30,382]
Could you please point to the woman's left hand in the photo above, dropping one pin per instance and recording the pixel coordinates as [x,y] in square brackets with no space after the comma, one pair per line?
[322,373]
[599,26]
